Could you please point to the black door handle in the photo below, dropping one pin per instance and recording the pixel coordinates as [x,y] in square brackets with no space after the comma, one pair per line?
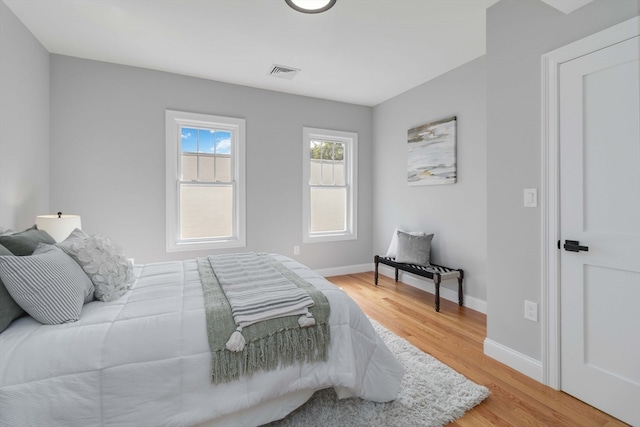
[574,246]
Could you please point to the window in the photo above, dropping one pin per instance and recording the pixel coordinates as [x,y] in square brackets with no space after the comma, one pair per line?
[330,187]
[205,181]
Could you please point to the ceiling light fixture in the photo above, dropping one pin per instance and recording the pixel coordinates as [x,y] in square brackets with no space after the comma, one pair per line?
[311,6]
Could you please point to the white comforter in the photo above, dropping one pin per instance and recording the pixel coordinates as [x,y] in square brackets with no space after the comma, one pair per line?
[144,360]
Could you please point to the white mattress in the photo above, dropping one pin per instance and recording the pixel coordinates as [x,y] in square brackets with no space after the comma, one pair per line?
[144,360]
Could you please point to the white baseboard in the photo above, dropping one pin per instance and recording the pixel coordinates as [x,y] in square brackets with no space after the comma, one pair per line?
[347,269]
[415,281]
[518,361]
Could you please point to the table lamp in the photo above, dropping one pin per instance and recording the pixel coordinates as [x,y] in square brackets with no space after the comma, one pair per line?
[58,226]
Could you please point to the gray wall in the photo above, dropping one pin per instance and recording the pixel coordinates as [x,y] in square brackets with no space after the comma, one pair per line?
[518,34]
[108,161]
[24,124]
[456,213]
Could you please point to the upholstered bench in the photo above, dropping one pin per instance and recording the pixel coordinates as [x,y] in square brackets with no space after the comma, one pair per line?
[437,273]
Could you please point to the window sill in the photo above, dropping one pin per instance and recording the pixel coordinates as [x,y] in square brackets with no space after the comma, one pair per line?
[329,238]
[204,246]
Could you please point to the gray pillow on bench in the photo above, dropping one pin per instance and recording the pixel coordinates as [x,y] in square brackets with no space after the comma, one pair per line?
[414,249]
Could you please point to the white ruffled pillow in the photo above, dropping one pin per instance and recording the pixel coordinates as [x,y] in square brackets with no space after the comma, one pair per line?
[103,261]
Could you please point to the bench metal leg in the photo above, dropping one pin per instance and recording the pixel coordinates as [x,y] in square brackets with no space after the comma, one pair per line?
[436,281]
[396,274]
[460,292]
[375,275]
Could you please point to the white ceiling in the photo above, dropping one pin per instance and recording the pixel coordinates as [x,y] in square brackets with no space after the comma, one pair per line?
[360,51]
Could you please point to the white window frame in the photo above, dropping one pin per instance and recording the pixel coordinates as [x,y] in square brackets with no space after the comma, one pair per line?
[350,141]
[174,120]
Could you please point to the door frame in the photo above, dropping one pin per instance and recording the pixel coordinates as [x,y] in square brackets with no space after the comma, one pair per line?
[550,185]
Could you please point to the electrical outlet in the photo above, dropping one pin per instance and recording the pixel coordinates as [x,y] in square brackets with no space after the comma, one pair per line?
[296,250]
[531,311]
[530,197]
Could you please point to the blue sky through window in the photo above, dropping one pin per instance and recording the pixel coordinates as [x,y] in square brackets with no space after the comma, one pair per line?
[205,141]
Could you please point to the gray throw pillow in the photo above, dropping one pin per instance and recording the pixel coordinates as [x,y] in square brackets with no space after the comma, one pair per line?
[414,249]
[392,251]
[25,242]
[49,285]
[9,309]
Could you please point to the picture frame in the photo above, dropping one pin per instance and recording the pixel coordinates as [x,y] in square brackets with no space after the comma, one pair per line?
[431,155]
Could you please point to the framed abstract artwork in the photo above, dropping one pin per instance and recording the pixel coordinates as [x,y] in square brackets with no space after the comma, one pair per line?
[432,153]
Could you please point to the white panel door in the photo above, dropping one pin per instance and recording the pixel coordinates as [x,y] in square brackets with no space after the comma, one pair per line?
[600,209]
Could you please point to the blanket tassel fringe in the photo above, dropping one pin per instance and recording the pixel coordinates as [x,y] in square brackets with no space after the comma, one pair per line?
[282,348]
[236,341]
[306,320]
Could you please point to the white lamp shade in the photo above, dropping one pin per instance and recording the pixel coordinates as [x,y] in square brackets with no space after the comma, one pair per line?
[58,226]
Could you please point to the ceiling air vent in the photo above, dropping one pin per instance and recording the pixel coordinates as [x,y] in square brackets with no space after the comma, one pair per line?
[283,72]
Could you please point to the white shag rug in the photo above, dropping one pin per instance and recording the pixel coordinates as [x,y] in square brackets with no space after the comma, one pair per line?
[431,395]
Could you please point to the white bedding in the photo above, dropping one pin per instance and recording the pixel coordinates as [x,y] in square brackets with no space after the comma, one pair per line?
[144,360]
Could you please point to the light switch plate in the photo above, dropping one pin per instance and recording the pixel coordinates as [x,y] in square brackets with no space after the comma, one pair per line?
[530,197]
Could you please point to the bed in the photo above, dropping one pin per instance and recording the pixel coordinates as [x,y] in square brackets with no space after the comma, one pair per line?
[144,360]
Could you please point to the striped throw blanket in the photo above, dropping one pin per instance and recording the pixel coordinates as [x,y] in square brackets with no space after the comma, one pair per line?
[257,292]
[269,344]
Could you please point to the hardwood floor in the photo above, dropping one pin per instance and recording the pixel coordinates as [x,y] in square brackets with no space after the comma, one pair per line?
[455,336]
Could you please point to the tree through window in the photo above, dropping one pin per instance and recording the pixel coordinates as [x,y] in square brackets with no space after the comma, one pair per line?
[329,193]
